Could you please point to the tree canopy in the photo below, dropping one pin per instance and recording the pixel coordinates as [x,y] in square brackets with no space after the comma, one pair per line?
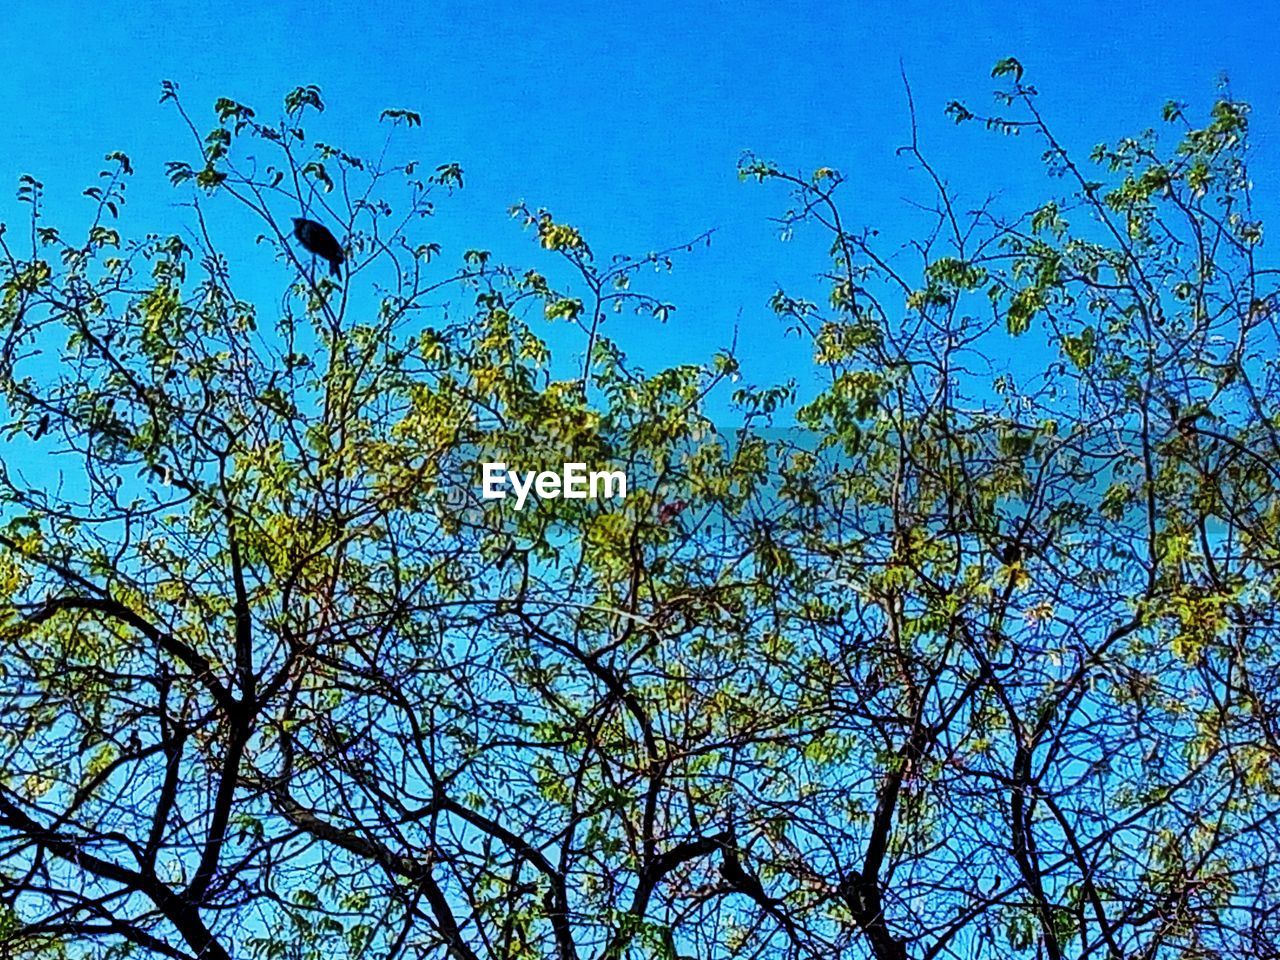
[923,654]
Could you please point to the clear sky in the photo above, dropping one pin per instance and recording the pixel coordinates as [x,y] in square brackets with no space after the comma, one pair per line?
[628,120]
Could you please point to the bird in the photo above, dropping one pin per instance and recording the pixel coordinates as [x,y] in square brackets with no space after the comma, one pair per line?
[317,240]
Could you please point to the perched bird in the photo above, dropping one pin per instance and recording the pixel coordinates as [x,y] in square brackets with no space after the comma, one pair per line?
[317,240]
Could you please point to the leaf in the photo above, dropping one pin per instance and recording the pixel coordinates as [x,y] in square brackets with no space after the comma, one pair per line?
[408,117]
[567,309]
[178,171]
[317,170]
[448,175]
[1022,308]
[1006,66]
[299,98]
[122,159]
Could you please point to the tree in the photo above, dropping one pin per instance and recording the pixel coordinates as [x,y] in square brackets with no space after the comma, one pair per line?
[926,656]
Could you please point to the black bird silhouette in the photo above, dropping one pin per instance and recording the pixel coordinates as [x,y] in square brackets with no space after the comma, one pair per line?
[316,239]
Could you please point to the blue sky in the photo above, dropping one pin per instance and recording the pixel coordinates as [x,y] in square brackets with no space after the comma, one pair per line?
[628,120]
